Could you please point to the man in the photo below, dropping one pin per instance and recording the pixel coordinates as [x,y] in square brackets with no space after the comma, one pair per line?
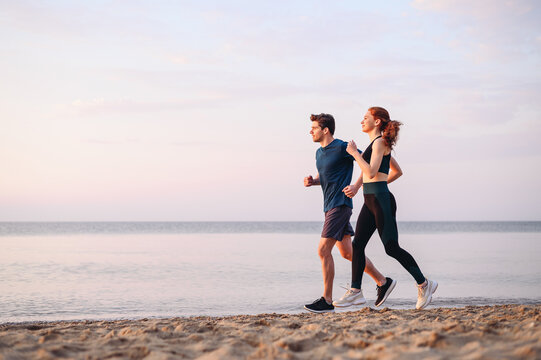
[335,169]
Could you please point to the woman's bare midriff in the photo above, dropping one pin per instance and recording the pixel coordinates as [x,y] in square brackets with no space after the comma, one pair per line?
[379,177]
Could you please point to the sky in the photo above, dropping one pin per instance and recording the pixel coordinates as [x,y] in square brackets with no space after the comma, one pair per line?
[199,110]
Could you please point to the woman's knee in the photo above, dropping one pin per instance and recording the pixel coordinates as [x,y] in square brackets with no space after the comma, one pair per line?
[392,249]
[358,246]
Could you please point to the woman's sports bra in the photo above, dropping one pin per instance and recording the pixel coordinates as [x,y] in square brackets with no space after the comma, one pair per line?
[385,161]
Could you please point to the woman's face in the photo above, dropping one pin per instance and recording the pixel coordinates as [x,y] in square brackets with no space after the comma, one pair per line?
[368,123]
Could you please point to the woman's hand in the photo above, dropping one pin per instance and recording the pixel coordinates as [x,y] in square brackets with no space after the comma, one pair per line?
[352,148]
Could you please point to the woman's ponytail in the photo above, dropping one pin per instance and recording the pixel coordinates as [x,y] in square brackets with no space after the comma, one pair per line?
[390,132]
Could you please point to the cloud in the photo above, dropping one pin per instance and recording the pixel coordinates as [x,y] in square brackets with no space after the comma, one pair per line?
[101,141]
[314,38]
[126,105]
[480,9]
[79,19]
[487,30]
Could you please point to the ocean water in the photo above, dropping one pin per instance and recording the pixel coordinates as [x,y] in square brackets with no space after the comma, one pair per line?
[67,271]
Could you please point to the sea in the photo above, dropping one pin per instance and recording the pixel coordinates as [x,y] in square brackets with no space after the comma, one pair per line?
[132,270]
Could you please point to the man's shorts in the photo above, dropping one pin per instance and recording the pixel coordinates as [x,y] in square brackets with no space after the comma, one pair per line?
[337,223]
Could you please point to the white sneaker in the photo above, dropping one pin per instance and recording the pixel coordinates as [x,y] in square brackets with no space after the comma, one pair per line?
[424,296]
[350,298]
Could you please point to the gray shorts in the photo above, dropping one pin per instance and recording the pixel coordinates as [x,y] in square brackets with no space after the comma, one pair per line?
[337,223]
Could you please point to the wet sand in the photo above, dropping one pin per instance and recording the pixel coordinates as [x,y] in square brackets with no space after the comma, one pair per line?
[474,332]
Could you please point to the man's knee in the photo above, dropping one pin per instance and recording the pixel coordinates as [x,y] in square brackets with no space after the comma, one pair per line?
[323,252]
[346,252]
[345,248]
[346,255]
[325,248]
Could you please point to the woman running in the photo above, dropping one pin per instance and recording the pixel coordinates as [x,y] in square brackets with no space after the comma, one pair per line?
[379,209]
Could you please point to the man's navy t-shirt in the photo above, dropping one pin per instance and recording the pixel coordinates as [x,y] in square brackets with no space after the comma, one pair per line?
[335,168]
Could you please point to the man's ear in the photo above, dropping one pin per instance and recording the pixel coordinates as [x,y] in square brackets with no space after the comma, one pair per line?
[325,131]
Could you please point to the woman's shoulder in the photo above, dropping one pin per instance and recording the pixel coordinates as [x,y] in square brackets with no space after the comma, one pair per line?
[380,143]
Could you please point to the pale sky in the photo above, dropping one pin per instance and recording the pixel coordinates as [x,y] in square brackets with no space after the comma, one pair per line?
[199,110]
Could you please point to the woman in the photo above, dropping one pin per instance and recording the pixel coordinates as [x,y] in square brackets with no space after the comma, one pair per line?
[379,209]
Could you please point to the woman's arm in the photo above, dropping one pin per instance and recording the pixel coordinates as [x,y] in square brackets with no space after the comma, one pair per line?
[396,171]
[378,147]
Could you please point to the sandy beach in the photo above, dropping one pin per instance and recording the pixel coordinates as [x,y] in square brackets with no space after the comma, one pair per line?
[485,332]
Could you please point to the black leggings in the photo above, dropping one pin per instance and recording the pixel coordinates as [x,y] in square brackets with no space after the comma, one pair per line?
[379,212]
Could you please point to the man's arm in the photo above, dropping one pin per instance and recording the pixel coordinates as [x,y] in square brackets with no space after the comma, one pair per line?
[311,181]
[351,190]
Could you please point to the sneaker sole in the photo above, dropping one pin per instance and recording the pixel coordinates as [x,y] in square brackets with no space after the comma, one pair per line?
[318,311]
[391,288]
[429,300]
[355,302]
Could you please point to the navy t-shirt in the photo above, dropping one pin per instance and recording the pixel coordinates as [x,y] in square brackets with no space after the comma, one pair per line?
[335,168]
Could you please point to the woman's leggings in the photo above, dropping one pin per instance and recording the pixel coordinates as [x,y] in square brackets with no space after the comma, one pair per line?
[379,212]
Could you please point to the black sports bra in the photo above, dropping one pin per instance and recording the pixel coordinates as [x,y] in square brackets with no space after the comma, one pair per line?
[385,161]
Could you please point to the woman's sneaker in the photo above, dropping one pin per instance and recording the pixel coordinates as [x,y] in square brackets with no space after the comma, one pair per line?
[384,291]
[350,298]
[319,306]
[424,296]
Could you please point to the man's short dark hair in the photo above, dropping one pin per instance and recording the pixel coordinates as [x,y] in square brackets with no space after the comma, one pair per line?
[324,121]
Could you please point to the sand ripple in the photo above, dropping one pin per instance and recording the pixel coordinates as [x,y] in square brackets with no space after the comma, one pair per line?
[474,332]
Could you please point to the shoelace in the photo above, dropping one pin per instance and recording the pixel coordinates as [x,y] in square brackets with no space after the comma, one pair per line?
[347,287]
[348,290]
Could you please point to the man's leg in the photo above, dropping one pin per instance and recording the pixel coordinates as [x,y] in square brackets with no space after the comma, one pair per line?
[345,248]
[346,251]
[371,270]
[327,265]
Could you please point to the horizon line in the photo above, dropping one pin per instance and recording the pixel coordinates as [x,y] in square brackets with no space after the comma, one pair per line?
[236,221]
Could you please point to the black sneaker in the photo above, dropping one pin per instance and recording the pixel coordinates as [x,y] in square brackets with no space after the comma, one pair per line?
[320,306]
[384,291]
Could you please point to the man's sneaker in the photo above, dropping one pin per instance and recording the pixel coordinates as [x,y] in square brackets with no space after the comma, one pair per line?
[319,306]
[384,291]
[425,294]
[350,298]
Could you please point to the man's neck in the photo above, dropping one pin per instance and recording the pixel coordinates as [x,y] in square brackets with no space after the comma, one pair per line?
[326,141]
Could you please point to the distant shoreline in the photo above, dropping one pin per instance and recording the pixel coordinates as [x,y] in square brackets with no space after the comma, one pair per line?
[240,227]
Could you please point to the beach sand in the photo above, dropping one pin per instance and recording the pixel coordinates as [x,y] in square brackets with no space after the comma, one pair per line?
[486,332]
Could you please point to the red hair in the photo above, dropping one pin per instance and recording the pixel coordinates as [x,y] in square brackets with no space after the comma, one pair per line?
[388,127]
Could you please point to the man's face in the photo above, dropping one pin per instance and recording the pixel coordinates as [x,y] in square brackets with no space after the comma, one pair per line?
[316,132]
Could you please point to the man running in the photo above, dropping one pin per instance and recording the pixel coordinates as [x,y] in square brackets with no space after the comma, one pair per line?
[335,169]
